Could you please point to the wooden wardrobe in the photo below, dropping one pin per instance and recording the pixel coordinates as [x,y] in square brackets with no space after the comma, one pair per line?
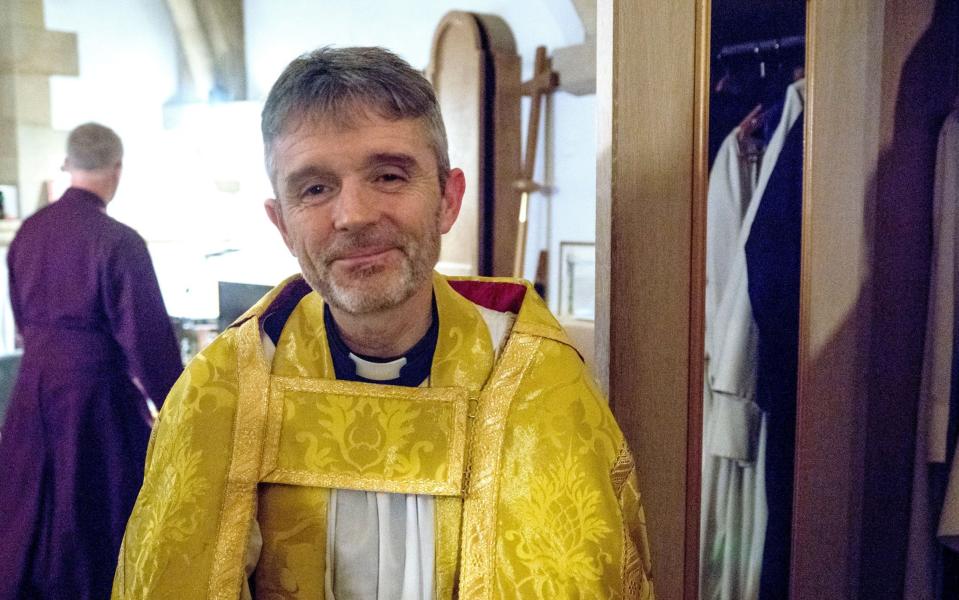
[862,293]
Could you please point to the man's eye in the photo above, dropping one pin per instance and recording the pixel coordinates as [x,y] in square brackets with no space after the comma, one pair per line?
[316,190]
[391,178]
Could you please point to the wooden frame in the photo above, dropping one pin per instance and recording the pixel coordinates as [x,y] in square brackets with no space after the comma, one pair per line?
[476,72]
[847,40]
[648,325]
[697,300]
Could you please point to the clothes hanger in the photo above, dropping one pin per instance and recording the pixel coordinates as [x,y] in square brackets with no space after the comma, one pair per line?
[749,146]
[751,122]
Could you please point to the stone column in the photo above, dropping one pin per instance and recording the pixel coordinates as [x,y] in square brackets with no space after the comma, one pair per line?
[30,150]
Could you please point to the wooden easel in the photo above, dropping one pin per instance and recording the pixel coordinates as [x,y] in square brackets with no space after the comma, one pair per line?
[544,81]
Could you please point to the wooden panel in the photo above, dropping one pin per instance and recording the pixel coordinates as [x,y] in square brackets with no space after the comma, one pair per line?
[842,132]
[645,105]
[697,295]
[457,65]
[498,247]
[476,72]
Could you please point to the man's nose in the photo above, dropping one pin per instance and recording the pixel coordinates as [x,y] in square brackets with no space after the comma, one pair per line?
[355,207]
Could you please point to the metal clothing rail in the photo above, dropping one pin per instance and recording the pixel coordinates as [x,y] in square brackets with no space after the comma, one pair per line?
[761,47]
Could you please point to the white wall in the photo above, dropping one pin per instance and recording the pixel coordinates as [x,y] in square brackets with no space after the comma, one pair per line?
[193,181]
[276,32]
[128,70]
[196,190]
[569,169]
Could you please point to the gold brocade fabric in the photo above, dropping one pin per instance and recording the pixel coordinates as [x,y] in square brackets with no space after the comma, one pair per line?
[536,494]
[374,438]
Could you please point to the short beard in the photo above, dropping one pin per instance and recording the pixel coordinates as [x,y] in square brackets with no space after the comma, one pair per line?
[354,296]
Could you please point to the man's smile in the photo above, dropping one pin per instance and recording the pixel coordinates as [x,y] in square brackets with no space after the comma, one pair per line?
[362,257]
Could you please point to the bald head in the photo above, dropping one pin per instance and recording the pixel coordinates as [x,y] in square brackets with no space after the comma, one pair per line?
[94,159]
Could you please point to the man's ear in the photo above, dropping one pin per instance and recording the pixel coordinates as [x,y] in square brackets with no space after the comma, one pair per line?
[452,199]
[275,212]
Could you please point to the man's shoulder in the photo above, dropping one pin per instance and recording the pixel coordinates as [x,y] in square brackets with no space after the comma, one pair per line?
[68,223]
[285,295]
[555,357]
[43,219]
[117,232]
[212,375]
[500,294]
[518,297]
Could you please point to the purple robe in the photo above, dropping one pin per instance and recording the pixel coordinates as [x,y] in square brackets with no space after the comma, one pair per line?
[86,301]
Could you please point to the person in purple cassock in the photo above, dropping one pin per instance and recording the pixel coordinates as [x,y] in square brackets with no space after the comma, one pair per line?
[97,342]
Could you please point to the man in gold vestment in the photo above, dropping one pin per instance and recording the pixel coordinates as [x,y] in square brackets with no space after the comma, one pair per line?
[372,429]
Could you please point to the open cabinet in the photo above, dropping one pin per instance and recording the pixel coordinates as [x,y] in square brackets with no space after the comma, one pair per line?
[878,75]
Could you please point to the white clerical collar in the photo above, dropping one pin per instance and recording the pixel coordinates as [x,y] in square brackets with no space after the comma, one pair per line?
[378,371]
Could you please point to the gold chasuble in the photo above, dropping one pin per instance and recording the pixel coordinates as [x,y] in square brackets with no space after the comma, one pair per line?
[536,495]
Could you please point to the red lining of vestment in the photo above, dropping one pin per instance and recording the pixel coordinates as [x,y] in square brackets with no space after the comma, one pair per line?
[502,296]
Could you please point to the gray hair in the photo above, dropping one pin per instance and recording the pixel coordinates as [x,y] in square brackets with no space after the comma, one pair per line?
[92,146]
[338,83]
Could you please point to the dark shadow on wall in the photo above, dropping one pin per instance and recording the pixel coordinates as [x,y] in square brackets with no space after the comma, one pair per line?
[832,460]
[900,249]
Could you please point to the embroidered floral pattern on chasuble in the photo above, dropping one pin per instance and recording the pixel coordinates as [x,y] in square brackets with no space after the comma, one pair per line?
[536,492]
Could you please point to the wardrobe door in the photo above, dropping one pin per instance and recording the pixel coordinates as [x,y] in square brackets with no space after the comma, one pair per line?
[753,225]
[879,79]
[842,145]
[646,98]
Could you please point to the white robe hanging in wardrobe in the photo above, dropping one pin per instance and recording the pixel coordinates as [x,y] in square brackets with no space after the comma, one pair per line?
[734,508]
[729,500]
[733,364]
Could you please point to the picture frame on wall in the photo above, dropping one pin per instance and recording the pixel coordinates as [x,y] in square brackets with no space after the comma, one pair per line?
[9,202]
[577,280]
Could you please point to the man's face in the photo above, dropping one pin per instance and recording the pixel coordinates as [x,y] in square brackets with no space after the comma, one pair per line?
[361,208]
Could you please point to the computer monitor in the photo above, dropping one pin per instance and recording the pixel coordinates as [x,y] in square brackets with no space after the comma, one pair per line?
[236,298]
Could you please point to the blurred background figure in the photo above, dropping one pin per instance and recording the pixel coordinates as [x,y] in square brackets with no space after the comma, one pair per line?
[97,345]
